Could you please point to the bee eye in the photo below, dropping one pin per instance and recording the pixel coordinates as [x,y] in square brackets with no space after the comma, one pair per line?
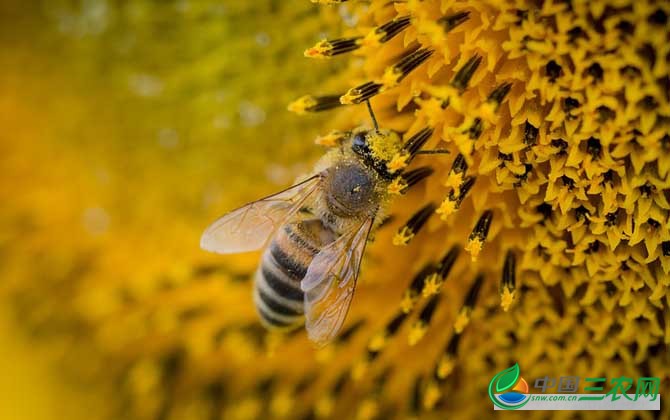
[359,139]
[359,144]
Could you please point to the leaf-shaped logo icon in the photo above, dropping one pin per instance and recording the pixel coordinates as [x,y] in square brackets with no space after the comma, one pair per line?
[507,378]
[504,381]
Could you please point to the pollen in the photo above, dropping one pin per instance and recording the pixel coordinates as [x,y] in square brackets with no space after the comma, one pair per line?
[384,145]
[445,366]
[377,343]
[361,93]
[324,407]
[478,236]
[309,103]
[398,162]
[408,301]
[432,285]
[447,208]
[431,396]
[462,320]
[330,48]
[413,225]
[332,139]
[416,333]
[507,298]
[369,409]
[398,186]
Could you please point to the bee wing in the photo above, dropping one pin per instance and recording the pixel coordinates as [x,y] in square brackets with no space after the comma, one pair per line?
[330,282]
[249,228]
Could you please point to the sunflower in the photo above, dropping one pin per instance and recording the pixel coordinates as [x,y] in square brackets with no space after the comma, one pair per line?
[538,236]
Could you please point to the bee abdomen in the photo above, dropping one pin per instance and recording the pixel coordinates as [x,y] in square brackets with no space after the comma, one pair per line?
[278,297]
[277,294]
[274,312]
[293,268]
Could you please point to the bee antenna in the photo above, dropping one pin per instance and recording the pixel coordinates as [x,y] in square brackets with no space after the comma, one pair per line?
[372,115]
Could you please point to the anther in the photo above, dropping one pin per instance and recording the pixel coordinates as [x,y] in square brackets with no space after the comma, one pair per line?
[378,341]
[360,93]
[411,294]
[451,21]
[416,175]
[326,403]
[327,49]
[332,139]
[309,103]
[475,130]
[479,234]
[530,134]
[465,313]
[387,31]
[414,225]
[419,328]
[447,262]
[570,103]
[433,283]
[460,165]
[454,199]
[447,362]
[499,93]
[460,81]
[665,247]
[594,148]
[553,70]
[415,400]
[414,143]
[394,74]
[508,281]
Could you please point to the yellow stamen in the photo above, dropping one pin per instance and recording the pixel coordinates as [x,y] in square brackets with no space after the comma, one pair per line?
[302,104]
[377,342]
[431,396]
[368,409]
[432,285]
[507,298]
[445,366]
[331,139]
[324,406]
[281,404]
[447,208]
[398,162]
[397,187]
[407,302]
[322,49]
[403,236]
[373,38]
[359,370]
[474,247]
[462,320]
[391,76]
[416,332]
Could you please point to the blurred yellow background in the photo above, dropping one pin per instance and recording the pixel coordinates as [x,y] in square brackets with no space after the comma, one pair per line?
[126,128]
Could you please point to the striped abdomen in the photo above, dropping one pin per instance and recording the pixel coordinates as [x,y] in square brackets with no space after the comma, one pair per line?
[277,293]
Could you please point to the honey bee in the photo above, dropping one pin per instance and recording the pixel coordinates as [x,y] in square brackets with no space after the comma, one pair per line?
[314,233]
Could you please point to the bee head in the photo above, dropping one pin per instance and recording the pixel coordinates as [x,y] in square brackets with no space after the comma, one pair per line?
[376,149]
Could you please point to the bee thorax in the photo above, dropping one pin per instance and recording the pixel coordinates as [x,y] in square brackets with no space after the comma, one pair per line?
[350,190]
